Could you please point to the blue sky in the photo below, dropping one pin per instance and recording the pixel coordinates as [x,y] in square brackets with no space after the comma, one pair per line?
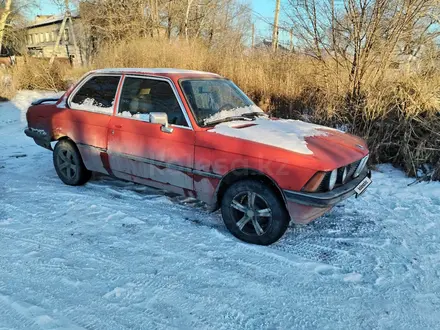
[46,7]
[263,11]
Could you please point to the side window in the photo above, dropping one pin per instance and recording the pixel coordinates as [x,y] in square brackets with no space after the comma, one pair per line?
[97,94]
[141,96]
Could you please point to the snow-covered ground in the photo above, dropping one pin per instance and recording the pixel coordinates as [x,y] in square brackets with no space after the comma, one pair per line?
[115,255]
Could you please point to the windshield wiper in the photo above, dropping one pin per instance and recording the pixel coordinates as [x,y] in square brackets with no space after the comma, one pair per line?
[253,114]
[223,120]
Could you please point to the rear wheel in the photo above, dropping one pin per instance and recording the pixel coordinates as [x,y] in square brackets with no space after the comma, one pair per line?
[254,213]
[69,165]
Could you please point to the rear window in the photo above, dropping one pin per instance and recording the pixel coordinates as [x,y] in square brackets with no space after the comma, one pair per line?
[97,94]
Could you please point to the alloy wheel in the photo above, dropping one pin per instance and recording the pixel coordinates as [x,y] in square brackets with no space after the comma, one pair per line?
[251,213]
[67,164]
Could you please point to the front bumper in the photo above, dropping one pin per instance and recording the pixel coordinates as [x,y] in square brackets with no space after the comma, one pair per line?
[327,199]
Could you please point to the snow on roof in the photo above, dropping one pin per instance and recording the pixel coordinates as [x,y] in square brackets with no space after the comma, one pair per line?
[153,70]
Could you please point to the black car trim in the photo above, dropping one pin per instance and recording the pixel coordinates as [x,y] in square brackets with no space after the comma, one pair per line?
[207,174]
[36,134]
[328,198]
[40,138]
[168,165]
[90,146]
[37,102]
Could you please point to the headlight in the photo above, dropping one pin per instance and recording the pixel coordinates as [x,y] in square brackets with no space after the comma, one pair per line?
[332,178]
[361,166]
[342,175]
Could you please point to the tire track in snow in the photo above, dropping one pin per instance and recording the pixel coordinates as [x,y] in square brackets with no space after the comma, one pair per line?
[12,318]
[21,315]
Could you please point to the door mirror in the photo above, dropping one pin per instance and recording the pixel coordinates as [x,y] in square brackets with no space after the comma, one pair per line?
[161,118]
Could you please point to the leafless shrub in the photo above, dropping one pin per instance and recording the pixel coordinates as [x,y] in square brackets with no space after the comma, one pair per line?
[33,73]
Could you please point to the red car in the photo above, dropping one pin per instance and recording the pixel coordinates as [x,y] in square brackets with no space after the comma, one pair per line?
[197,134]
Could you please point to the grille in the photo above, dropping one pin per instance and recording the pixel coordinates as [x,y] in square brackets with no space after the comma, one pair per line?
[351,168]
[322,187]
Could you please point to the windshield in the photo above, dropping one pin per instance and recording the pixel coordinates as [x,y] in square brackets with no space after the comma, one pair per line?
[215,100]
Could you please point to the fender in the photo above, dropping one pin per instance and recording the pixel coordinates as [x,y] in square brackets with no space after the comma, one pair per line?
[239,174]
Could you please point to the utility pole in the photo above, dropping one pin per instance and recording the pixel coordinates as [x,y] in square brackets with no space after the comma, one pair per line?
[275,26]
[67,19]
[57,42]
[253,35]
[292,48]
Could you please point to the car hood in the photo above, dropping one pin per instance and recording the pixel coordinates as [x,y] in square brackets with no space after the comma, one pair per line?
[317,144]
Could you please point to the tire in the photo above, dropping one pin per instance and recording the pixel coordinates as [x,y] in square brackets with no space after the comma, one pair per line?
[242,219]
[69,164]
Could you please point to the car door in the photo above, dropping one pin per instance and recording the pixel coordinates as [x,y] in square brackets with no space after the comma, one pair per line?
[86,117]
[138,148]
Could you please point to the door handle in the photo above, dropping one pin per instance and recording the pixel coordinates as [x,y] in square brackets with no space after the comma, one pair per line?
[118,126]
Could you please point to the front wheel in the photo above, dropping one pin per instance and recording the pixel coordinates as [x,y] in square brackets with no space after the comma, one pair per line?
[69,165]
[254,213]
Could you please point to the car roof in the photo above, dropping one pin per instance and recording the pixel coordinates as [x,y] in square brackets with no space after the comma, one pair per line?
[167,72]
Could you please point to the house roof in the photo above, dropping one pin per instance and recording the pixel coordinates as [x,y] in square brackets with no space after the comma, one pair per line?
[267,44]
[51,19]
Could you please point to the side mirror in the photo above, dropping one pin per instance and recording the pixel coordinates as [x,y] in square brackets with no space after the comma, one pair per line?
[161,118]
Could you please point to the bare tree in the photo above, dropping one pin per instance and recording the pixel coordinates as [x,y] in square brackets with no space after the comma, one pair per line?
[5,11]
[12,22]
[188,8]
[363,37]
[213,22]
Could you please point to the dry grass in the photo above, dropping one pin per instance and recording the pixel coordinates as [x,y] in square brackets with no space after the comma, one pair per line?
[7,87]
[32,73]
[398,115]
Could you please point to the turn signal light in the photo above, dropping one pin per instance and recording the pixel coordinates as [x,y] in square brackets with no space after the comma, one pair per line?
[314,182]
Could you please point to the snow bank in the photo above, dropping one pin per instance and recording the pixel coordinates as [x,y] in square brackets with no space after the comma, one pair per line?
[23,99]
[283,133]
